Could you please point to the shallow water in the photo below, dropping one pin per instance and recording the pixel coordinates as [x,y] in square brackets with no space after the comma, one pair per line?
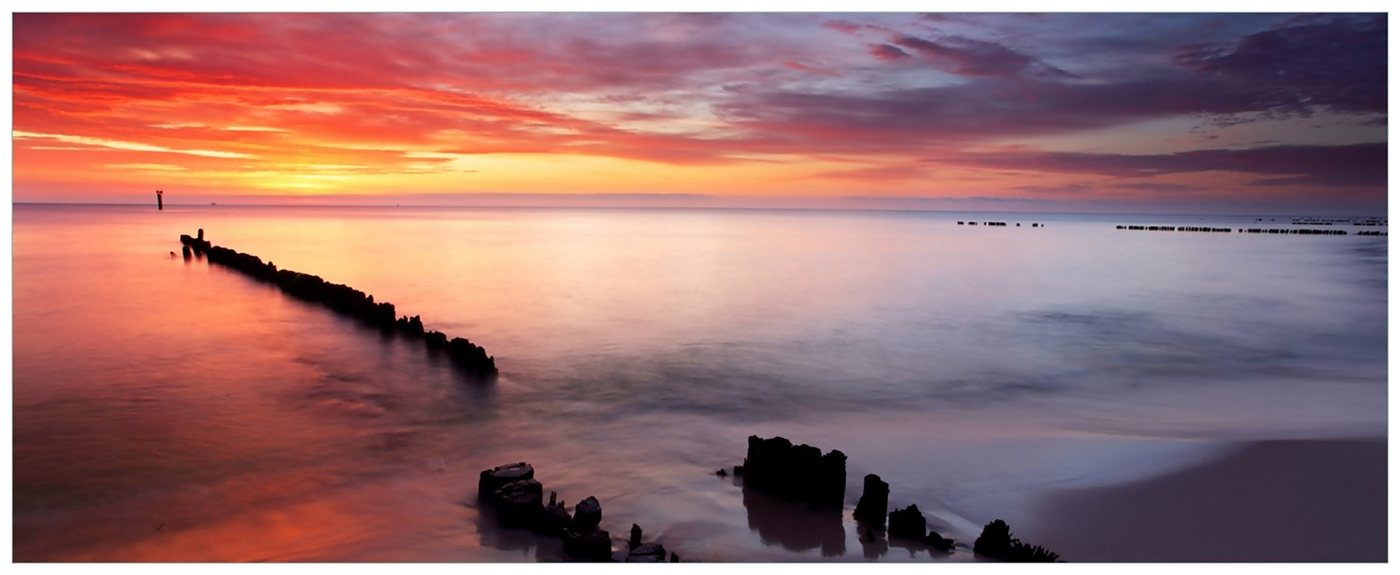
[169,410]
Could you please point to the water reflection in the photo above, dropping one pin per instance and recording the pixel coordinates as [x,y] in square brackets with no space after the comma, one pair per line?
[527,543]
[794,526]
[873,543]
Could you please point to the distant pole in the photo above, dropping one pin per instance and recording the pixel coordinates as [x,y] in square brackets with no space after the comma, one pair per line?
[160,205]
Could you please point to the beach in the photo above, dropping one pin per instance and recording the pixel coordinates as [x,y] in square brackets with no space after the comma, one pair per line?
[1277,500]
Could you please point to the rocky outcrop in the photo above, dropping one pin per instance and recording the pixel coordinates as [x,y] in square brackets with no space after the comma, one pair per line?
[517,498]
[938,542]
[492,479]
[874,501]
[588,514]
[907,523]
[796,472]
[996,542]
[593,545]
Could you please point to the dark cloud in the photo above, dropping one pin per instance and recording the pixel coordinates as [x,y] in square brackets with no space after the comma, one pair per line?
[1356,165]
[977,109]
[1338,62]
[969,57]
[1072,189]
[888,52]
[1158,187]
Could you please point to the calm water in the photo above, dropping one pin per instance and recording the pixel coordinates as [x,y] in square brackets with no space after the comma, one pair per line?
[169,410]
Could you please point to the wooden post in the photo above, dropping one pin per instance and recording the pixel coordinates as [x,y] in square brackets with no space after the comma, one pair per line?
[160,205]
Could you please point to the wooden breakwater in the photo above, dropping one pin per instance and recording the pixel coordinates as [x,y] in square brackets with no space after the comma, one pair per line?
[345,300]
[1286,231]
[997,224]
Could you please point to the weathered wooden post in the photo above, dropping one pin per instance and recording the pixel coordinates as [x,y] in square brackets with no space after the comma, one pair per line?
[159,204]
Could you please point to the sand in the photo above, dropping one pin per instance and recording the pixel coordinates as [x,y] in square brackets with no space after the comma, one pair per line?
[1292,501]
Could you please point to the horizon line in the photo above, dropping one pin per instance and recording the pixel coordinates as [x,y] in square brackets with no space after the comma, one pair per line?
[717,208]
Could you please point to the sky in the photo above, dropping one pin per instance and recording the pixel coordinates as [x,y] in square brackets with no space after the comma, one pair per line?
[1232,113]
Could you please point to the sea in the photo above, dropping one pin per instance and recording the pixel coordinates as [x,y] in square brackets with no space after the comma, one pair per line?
[168,410]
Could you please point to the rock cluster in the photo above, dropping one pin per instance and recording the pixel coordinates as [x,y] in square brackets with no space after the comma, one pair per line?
[907,523]
[642,552]
[796,472]
[518,500]
[465,355]
[996,542]
[800,473]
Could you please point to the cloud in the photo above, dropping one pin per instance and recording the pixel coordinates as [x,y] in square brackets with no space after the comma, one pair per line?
[800,67]
[1357,165]
[1308,61]
[1061,189]
[970,57]
[254,129]
[842,26]
[689,90]
[120,145]
[888,52]
[1157,187]
[149,167]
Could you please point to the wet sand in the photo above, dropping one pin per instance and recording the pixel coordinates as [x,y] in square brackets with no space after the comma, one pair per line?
[1292,501]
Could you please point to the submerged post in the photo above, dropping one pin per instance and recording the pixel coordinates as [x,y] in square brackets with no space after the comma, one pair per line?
[159,204]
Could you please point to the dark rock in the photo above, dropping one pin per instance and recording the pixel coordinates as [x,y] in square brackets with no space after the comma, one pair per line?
[722,473]
[831,479]
[796,472]
[648,553]
[874,501]
[587,514]
[675,558]
[1023,553]
[908,523]
[492,479]
[939,543]
[555,518]
[591,545]
[738,471]
[996,542]
[635,537]
[519,503]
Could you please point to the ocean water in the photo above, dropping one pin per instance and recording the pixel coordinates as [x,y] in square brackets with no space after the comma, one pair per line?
[170,410]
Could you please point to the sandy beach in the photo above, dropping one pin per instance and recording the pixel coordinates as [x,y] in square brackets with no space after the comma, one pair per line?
[1286,500]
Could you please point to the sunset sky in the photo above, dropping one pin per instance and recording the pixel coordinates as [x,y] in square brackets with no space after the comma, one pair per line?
[1206,112]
